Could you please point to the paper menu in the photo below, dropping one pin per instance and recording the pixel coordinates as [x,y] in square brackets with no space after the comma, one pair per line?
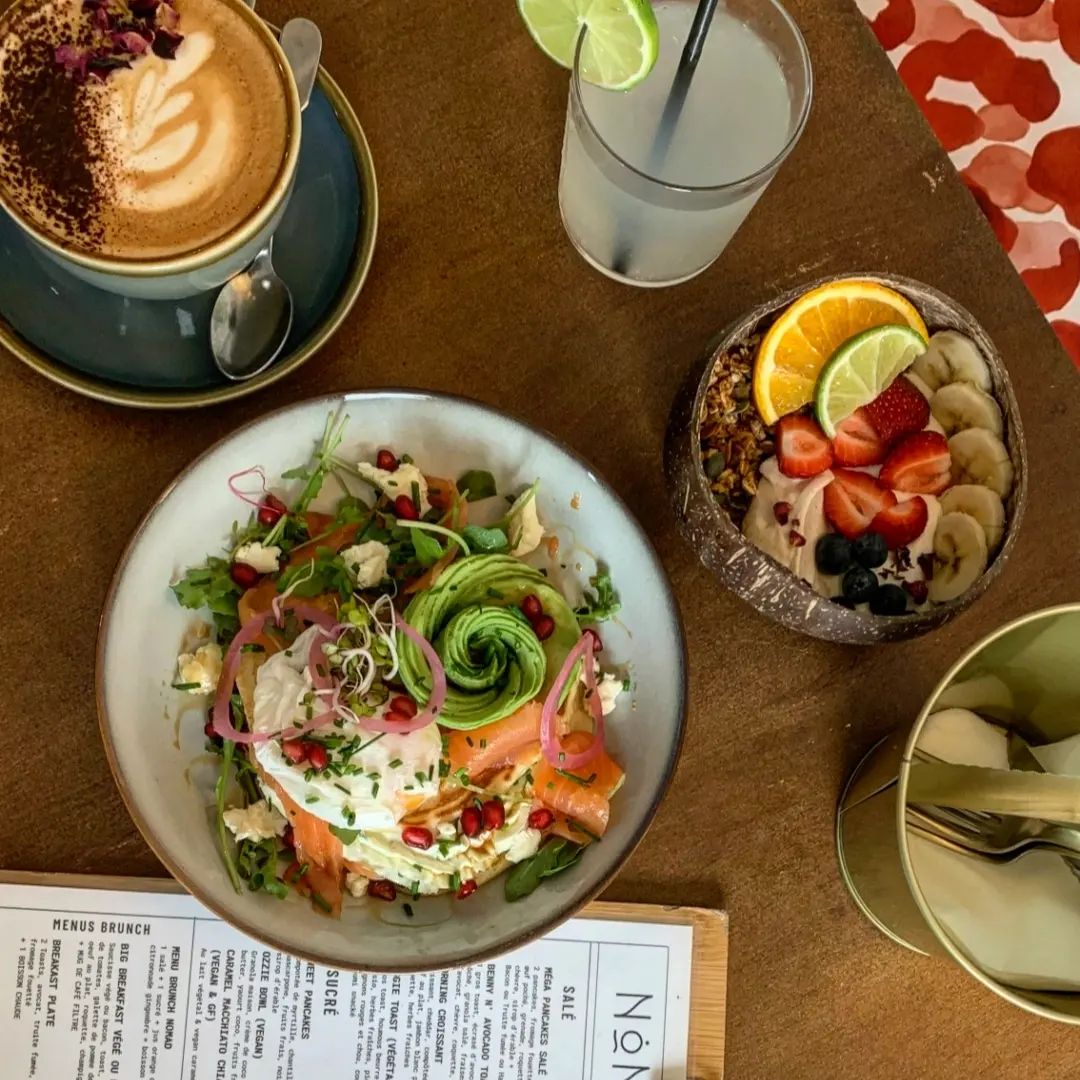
[103,983]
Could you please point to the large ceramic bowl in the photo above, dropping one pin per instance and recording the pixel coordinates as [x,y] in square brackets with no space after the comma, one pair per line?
[155,749]
[755,576]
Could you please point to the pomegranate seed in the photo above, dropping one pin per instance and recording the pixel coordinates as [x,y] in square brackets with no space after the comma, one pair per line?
[796,539]
[597,644]
[247,577]
[531,607]
[417,837]
[405,508]
[208,730]
[270,510]
[386,460]
[541,818]
[544,627]
[287,837]
[917,590]
[467,889]
[382,890]
[295,750]
[781,511]
[494,814]
[317,756]
[471,821]
[404,705]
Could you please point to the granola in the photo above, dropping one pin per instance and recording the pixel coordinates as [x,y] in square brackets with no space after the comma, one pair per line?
[733,438]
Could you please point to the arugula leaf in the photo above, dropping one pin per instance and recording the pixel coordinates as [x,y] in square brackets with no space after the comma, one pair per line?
[325,572]
[553,858]
[219,800]
[603,602]
[428,550]
[351,511]
[478,483]
[346,836]
[486,540]
[212,587]
[256,862]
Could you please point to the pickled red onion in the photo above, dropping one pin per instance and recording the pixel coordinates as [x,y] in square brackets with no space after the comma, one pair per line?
[549,740]
[255,470]
[223,724]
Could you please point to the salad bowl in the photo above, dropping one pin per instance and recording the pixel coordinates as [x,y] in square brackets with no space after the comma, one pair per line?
[163,735]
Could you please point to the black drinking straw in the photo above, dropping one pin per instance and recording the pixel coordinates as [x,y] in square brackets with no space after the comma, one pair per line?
[680,87]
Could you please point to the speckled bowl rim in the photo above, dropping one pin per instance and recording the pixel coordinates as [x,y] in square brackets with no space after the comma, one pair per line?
[118,394]
[859,623]
[566,911]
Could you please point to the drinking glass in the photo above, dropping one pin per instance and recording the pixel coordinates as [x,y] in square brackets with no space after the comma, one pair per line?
[653,202]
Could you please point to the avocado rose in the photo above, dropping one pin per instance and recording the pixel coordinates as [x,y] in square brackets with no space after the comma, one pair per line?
[494,661]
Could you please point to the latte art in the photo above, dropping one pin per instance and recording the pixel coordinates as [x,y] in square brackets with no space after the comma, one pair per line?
[178,150]
[175,149]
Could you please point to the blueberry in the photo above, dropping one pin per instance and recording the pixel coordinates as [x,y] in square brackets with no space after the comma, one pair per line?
[833,553]
[843,601]
[859,584]
[889,600]
[870,550]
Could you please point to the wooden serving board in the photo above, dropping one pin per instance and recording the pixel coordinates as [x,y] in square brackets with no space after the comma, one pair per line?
[708,978]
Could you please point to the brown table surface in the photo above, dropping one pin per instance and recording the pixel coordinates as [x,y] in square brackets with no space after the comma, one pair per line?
[476,290]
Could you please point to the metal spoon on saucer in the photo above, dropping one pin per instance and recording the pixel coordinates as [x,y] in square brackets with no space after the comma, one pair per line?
[253,313]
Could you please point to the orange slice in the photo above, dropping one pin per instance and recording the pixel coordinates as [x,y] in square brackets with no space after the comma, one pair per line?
[797,346]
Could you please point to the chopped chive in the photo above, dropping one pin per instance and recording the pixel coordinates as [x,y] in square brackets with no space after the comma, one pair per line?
[455,881]
[341,787]
[186,685]
[416,890]
[422,778]
[407,908]
[396,763]
[311,799]
[375,789]
[483,744]
[320,903]
[577,779]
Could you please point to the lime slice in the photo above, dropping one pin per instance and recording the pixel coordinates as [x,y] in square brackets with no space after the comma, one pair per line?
[860,369]
[621,37]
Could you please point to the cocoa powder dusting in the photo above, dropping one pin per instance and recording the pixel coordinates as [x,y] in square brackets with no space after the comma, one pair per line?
[47,135]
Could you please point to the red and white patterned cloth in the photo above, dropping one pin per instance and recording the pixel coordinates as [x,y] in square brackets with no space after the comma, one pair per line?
[999,81]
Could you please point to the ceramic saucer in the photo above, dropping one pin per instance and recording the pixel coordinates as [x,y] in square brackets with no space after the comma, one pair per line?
[156,354]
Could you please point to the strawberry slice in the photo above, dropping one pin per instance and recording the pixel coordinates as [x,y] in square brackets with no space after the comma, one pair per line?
[918,462]
[853,500]
[857,442]
[903,523]
[898,410]
[802,448]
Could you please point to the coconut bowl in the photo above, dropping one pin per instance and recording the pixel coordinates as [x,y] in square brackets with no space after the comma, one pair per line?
[754,576]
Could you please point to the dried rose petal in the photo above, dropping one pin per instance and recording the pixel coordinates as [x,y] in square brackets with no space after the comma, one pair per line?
[129,41]
[73,59]
[167,18]
[166,43]
[100,67]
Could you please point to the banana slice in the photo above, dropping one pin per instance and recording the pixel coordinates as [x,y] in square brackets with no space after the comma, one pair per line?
[918,384]
[963,405]
[980,457]
[983,505]
[960,556]
[950,357]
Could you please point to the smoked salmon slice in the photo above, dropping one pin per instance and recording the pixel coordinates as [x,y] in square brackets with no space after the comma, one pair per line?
[492,746]
[582,794]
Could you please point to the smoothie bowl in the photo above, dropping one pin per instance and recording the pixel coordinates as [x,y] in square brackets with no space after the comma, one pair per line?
[849,459]
[391,681]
